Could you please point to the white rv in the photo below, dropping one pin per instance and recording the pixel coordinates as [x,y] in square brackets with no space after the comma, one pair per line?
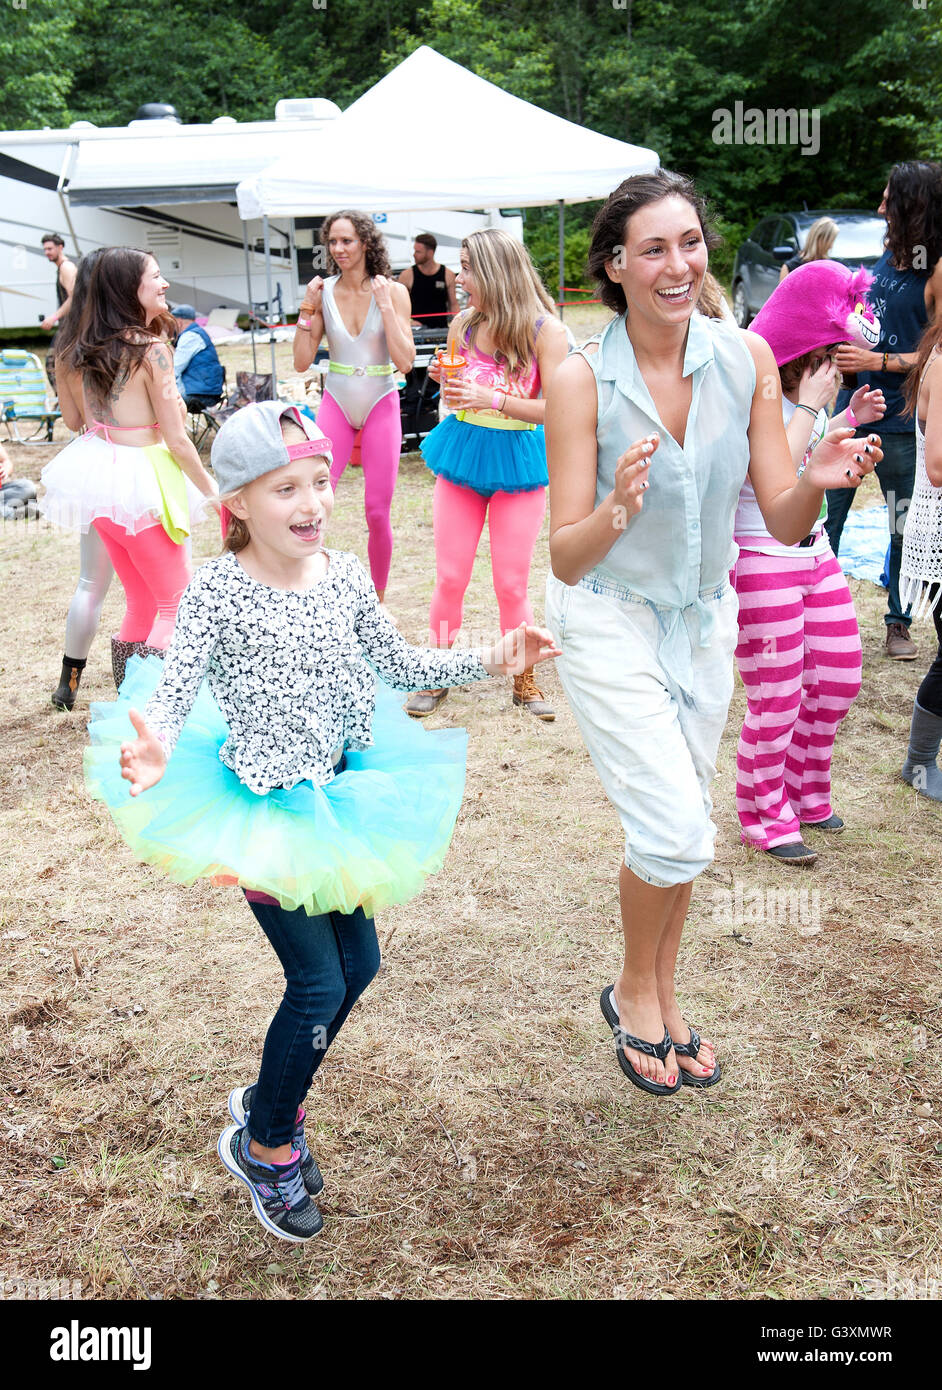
[170,189]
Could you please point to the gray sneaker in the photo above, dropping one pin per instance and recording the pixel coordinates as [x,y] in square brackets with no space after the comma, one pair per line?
[240,1103]
[279,1199]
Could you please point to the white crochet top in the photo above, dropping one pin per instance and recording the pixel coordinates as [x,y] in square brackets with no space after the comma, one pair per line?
[920,580]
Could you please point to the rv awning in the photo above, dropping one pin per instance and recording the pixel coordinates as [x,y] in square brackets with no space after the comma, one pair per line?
[482,148]
[172,165]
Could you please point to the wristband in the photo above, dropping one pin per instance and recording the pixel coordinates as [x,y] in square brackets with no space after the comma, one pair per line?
[496,400]
[851,417]
[808,408]
[883,368]
[303,323]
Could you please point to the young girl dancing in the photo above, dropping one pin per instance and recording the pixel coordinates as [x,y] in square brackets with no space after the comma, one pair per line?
[275,781]
[134,473]
[921,565]
[799,649]
[489,456]
[366,316]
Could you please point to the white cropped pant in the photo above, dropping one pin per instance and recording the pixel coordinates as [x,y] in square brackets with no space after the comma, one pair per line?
[654,751]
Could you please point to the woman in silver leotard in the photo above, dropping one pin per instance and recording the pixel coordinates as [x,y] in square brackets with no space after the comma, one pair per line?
[360,392]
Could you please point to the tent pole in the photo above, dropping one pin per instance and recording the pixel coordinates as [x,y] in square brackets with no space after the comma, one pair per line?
[562,251]
[248,290]
[271,337]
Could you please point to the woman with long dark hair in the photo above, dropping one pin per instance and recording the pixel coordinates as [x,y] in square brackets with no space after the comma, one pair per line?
[95,568]
[921,563]
[651,432]
[906,293]
[134,474]
[366,316]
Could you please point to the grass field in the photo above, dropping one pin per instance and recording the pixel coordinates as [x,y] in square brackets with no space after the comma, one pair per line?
[477,1137]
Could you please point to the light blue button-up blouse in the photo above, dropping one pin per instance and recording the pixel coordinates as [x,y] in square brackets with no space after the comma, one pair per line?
[679,548]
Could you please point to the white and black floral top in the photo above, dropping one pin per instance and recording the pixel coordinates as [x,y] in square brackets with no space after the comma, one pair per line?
[291,672]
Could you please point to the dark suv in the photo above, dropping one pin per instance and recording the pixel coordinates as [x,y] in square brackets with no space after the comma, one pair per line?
[776,239]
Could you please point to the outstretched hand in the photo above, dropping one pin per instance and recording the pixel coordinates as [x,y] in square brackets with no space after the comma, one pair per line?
[143,761]
[867,405]
[840,460]
[520,649]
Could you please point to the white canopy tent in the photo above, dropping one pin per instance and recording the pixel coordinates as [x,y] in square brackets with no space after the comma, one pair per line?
[494,151]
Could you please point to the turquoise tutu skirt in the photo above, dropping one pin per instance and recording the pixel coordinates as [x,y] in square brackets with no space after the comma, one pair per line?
[367,839]
[486,460]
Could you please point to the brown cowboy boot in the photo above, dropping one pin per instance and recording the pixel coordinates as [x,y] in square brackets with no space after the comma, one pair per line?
[528,694]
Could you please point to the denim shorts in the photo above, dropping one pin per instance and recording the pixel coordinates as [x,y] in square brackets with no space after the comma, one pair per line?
[655,752]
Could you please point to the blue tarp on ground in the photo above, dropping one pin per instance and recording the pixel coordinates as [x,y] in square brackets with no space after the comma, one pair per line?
[864,544]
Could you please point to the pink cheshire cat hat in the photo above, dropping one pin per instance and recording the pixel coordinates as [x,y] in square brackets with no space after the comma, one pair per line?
[820,303]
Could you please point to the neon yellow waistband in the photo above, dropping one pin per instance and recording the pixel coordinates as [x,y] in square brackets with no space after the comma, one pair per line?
[492,422]
[382,369]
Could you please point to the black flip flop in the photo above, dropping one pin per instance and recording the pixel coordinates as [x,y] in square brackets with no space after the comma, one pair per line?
[690,1049]
[622,1040]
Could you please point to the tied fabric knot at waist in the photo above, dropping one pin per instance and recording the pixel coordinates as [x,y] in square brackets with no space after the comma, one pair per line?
[675,644]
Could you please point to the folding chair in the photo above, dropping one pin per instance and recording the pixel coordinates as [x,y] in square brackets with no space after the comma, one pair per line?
[202,422]
[250,387]
[23,397]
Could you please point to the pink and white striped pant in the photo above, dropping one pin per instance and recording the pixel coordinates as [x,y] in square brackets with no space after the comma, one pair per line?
[800,661]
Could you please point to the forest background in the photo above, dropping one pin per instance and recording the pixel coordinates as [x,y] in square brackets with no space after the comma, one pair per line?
[653,72]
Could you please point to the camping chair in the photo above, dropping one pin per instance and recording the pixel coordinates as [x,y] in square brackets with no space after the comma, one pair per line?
[23,397]
[201,422]
[250,387]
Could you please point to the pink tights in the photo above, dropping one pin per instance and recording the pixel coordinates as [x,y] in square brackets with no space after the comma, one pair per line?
[380,445]
[514,521]
[154,572]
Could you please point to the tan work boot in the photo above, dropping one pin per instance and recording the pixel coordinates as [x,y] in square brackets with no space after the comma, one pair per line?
[528,694]
[899,645]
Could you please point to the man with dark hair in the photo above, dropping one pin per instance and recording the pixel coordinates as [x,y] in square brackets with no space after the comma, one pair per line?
[54,248]
[431,286]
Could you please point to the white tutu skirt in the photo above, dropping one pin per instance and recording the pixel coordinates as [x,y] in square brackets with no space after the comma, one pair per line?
[91,477]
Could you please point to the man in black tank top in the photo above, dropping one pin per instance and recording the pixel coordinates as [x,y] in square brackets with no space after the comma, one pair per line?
[431,286]
[54,248]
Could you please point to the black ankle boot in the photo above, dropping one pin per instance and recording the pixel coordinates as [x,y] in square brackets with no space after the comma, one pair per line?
[63,697]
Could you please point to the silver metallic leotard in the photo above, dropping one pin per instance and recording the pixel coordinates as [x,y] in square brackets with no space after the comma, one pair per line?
[371,376]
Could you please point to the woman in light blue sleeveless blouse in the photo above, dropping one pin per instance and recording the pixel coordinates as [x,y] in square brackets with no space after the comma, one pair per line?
[650,433]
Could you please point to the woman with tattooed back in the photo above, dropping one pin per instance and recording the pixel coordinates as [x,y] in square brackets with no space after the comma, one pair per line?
[133,474]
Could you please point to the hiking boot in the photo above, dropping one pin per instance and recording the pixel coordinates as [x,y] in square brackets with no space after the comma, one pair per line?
[423,702]
[63,697]
[899,645]
[240,1103]
[279,1199]
[528,694]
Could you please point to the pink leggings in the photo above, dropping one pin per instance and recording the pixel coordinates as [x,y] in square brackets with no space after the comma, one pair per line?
[380,445]
[799,658]
[154,572]
[514,521]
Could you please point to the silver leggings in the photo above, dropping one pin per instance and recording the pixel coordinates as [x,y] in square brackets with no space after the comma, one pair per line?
[95,576]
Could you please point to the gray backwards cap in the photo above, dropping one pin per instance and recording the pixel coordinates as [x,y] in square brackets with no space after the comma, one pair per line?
[250,443]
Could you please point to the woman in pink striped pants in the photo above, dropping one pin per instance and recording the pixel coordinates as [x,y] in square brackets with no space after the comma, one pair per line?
[799,646]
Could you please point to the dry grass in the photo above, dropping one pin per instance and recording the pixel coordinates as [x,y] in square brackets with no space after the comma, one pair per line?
[476,1134]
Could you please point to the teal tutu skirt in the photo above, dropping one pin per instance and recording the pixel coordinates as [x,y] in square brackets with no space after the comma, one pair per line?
[486,460]
[367,839]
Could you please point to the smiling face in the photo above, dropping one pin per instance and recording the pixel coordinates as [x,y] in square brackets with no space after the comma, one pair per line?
[152,290]
[467,281]
[345,246]
[662,261]
[287,511]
